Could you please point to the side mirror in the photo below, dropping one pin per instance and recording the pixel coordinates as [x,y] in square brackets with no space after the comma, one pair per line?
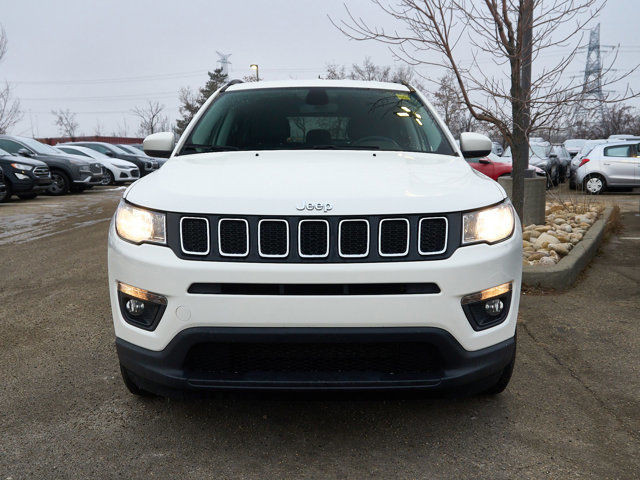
[474,145]
[159,144]
[109,153]
[484,161]
[23,152]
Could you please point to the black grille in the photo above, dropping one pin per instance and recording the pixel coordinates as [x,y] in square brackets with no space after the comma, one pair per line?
[314,235]
[313,289]
[354,238]
[41,172]
[394,237]
[274,238]
[433,235]
[1,175]
[229,360]
[195,235]
[233,237]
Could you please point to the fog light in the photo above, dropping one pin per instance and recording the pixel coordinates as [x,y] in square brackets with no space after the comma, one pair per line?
[139,307]
[135,307]
[489,307]
[494,307]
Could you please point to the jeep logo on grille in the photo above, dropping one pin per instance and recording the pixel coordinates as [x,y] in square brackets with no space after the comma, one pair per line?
[314,207]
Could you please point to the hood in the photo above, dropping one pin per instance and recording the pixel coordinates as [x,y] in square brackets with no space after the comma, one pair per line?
[26,160]
[281,182]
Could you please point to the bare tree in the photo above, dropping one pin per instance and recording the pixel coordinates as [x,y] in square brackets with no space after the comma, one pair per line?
[151,118]
[98,130]
[369,71]
[448,102]
[122,130]
[508,34]
[66,122]
[10,113]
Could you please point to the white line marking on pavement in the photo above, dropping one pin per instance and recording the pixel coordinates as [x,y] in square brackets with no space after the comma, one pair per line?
[629,238]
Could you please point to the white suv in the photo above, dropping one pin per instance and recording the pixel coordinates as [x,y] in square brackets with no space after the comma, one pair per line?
[315,235]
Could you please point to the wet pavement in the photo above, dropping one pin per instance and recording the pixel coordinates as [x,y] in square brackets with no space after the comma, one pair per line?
[572,409]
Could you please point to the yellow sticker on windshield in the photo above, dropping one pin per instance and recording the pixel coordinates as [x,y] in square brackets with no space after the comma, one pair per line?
[403,96]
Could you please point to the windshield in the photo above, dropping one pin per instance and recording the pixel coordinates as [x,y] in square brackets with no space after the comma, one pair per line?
[574,143]
[3,152]
[317,118]
[538,150]
[129,150]
[38,147]
[589,145]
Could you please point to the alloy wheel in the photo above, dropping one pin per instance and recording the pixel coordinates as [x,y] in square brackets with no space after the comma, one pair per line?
[58,184]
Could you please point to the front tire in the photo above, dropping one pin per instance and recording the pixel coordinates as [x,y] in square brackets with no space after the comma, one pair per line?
[108,178]
[505,377]
[6,195]
[27,196]
[60,185]
[594,185]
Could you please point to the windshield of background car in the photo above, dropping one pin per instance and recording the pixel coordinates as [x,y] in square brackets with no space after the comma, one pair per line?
[3,152]
[574,143]
[317,118]
[38,147]
[541,151]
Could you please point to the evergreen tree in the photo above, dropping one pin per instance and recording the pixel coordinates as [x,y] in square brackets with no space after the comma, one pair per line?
[191,102]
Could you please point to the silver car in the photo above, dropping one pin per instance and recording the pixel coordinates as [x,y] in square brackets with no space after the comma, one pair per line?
[613,164]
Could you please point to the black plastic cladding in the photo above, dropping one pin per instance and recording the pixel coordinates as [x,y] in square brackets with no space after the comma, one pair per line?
[453,238]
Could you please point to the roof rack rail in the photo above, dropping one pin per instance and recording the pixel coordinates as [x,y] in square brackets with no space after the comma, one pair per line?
[406,84]
[232,82]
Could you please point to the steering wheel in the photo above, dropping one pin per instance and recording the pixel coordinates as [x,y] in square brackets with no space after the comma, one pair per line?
[375,139]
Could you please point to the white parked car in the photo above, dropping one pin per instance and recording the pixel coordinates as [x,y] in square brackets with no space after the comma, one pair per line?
[315,235]
[612,164]
[116,170]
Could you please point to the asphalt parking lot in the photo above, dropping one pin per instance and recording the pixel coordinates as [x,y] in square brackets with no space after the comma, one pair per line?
[572,409]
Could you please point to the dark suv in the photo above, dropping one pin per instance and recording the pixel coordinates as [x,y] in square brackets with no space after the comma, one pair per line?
[67,172]
[23,177]
[145,164]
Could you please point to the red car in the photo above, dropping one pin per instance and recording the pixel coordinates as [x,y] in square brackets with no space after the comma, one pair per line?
[490,165]
[494,166]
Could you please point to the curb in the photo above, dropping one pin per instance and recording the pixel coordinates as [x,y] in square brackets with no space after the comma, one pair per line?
[563,274]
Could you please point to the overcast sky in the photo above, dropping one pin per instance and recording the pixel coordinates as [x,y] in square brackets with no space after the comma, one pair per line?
[100,59]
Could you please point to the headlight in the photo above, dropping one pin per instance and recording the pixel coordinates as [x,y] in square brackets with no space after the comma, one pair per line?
[139,225]
[21,166]
[489,225]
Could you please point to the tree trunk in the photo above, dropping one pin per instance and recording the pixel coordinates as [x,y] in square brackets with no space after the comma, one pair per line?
[521,110]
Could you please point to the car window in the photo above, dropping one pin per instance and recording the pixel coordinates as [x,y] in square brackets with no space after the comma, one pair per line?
[10,146]
[39,147]
[73,151]
[314,117]
[618,151]
[97,148]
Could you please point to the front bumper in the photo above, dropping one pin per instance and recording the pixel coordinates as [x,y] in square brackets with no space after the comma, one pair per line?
[188,363]
[469,269]
[89,179]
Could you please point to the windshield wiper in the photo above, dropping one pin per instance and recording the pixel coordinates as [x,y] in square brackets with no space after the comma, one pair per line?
[210,148]
[346,147]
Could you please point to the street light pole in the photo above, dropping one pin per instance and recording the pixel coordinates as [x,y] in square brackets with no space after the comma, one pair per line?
[254,66]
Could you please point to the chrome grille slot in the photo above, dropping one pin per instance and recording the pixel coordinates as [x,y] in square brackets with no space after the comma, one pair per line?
[432,234]
[194,235]
[313,238]
[393,238]
[273,238]
[41,172]
[233,237]
[353,238]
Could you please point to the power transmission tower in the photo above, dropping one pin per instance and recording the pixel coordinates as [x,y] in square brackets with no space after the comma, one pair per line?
[590,108]
[224,62]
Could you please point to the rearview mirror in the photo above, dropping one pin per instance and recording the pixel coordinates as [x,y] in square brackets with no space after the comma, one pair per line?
[159,144]
[474,145]
[24,152]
